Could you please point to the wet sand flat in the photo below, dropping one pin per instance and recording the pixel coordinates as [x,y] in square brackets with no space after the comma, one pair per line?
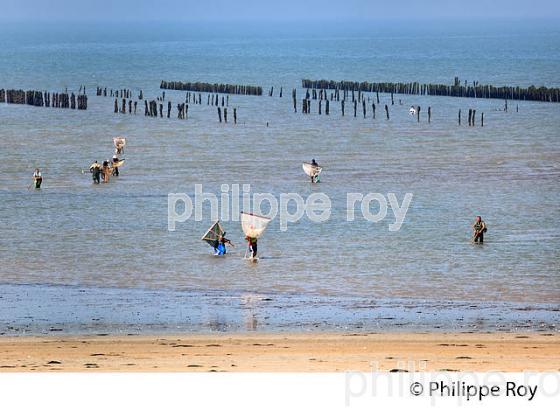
[284,352]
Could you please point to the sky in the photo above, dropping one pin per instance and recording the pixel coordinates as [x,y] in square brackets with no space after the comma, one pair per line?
[278,10]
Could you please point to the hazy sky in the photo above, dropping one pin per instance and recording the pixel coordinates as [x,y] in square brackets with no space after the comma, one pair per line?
[199,10]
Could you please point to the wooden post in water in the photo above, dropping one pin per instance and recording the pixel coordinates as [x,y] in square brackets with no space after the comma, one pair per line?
[342,107]
[116,106]
[168,109]
[470,116]
[373,110]
[364,107]
[326,107]
[387,111]
[392,99]
[225,114]
[459,117]
[219,114]
[482,119]
[473,117]
[161,110]
[355,105]
[418,114]
[235,115]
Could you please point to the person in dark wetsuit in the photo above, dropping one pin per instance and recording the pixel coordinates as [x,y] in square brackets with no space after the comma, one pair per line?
[95,170]
[115,169]
[314,177]
[479,227]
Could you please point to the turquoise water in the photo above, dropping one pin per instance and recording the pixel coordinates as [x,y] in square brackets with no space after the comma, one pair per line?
[114,237]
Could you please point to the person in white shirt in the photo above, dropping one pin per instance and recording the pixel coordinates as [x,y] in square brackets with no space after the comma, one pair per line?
[37,178]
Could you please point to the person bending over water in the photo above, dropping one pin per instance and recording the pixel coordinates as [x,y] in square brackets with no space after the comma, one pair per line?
[479,227]
[220,249]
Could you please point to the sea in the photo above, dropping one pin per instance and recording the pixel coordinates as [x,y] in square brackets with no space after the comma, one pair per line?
[81,258]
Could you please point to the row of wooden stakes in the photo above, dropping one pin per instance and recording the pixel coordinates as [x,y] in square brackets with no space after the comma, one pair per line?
[212,88]
[474,90]
[44,99]
[155,108]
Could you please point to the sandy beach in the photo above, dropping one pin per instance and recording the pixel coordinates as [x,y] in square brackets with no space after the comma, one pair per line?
[282,352]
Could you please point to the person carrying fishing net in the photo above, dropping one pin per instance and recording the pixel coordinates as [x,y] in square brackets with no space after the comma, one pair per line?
[314,177]
[115,163]
[252,243]
[479,228]
[220,248]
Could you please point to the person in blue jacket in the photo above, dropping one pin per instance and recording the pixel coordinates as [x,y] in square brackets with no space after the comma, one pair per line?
[221,248]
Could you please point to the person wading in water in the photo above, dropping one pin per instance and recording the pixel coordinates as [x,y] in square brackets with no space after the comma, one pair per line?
[95,170]
[479,227]
[115,168]
[220,249]
[106,171]
[37,178]
[252,242]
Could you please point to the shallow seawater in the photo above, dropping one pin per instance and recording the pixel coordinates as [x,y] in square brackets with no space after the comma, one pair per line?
[111,241]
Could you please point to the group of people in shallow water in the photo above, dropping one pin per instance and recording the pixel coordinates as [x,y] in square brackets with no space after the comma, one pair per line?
[103,171]
[98,171]
[220,248]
